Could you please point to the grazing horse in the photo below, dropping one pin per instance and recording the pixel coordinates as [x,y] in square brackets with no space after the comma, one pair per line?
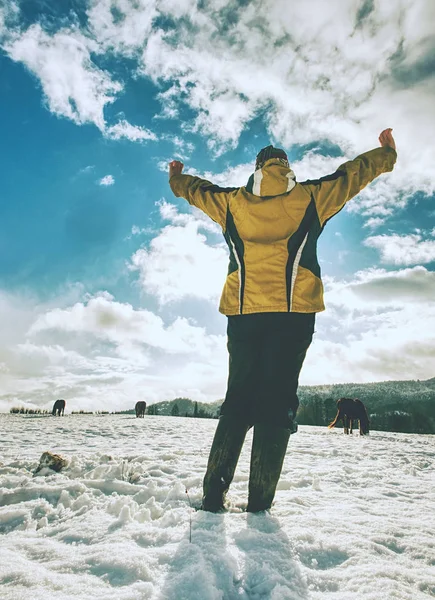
[350,409]
[140,408]
[59,407]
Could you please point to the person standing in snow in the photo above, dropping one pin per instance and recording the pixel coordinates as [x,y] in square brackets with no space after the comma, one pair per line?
[272,293]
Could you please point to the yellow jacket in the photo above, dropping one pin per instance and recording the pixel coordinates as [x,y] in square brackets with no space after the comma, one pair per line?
[271,226]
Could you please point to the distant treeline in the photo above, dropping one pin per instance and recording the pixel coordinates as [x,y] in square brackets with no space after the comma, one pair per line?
[179,407]
[20,410]
[184,407]
[402,406]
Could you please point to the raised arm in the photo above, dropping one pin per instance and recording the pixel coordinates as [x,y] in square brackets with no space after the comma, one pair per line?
[210,198]
[332,192]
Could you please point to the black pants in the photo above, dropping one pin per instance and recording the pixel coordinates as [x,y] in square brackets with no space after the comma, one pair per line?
[266,351]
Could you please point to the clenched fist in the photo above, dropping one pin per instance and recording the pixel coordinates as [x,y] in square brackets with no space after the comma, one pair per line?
[386,139]
[175,168]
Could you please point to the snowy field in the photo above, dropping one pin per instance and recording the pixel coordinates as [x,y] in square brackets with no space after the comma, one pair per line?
[354,518]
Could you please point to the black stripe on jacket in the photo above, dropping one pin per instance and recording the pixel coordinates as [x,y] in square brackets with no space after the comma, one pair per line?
[309,253]
[308,225]
[231,235]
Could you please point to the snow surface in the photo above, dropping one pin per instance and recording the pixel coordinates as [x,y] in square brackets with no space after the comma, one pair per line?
[353,517]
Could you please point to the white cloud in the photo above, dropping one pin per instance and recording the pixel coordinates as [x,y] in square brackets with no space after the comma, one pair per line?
[233,176]
[107,180]
[314,165]
[126,130]
[135,230]
[376,287]
[227,114]
[9,14]
[180,263]
[182,148]
[316,72]
[101,354]
[378,326]
[374,222]
[86,169]
[397,249]
[73,86]
[332,74]
[120,25]
[195,218]
[236,176]
[121,324]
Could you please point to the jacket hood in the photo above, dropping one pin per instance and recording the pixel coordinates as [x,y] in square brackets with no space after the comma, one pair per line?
[273,179]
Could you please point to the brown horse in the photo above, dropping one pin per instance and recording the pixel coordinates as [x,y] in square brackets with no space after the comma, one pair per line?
[59,408]
[140,408]
[349,410]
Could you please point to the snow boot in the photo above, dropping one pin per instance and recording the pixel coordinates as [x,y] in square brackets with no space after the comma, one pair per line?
[268,451]
[224,454]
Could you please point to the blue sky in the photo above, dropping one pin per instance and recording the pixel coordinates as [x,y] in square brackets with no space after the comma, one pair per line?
[109,285]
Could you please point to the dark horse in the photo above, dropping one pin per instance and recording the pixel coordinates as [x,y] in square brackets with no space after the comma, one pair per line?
[140,408]
[59,407]
[349,410]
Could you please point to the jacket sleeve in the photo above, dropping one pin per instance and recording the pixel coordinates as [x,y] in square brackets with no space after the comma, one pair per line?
[332,192]
[210,198]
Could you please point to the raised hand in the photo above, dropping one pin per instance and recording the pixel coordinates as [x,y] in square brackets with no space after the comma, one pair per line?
[175,168]
[386,139]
